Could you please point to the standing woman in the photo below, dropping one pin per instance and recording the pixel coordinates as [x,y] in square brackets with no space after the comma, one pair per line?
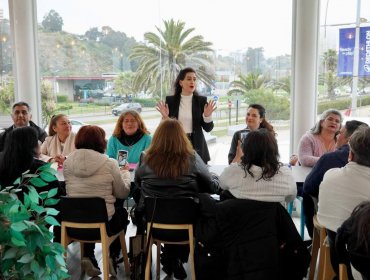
[60,142]
[131,135]
[320,139]
[192,110]
[255,119]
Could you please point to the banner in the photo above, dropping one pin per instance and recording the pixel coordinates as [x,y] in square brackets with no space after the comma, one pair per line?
[346,52]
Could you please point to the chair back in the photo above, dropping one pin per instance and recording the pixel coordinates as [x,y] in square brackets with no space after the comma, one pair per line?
[84,210]
[176,211]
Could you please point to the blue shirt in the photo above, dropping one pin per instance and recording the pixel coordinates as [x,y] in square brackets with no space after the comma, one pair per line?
[338,158]
[134,151]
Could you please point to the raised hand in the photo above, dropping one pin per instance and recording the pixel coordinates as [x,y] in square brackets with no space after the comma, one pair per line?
[162,108]
[209,108]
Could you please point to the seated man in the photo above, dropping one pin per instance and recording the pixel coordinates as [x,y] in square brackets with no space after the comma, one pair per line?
[342,189]
[339,158]
[21,115]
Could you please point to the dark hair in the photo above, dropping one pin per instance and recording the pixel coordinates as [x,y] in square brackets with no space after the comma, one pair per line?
[18,153]
[260,148]
[53,122]
[170,151]
[360,145]
[351,126]
[21,103]
[262,113]
[360,227]
[91,137]
[180,77]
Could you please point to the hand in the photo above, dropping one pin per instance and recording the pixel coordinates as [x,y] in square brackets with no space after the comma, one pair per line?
[293,160]
[239,152]
[125,167]
[59,159]
[162,108]
[209,108]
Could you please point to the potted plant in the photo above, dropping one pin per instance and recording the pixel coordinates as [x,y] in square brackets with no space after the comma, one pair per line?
[26,247]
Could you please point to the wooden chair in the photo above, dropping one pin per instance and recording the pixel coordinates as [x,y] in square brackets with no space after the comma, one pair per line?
[84,215]
[169,214]
[319,242]
[343,274]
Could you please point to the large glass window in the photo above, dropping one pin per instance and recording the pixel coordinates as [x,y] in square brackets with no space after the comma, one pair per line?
[95,55]
[344,68]
[6,73]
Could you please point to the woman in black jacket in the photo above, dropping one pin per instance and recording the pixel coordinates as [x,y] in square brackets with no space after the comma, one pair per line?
[192,110]
[171,168]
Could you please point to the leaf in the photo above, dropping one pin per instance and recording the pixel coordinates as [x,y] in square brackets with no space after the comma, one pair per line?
[14,209]
[50,262]
[26,200]
[52,221]
[10,253]
[37,182]
[52,211]
[34,196]
[44,167]
[48,177]
[17,181]
[51,201]
[27,258]
[43,195]
[60,260]
[30,176]
[19,226]
[17,242]
[52,192]
[37,208]
[35,266]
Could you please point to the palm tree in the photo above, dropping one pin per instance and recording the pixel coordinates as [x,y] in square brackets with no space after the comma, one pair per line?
[247,83]
[123,84]
[164,55]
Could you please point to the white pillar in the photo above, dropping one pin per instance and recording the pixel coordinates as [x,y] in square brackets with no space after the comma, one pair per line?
[305,59]
[23,22]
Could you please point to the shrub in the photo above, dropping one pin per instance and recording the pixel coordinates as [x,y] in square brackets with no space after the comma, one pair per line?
[62,98]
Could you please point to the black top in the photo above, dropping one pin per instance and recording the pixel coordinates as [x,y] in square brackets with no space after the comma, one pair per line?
[41,134]
[197,139]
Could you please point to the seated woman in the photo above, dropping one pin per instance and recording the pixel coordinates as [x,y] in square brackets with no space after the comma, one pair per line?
[320,139]
[60,142]
[88,172]
[130,135]
[352,243]
[255,119]
[171,168]
[259,175]
[19,155]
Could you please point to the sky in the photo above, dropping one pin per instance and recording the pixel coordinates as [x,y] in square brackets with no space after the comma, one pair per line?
[232,26]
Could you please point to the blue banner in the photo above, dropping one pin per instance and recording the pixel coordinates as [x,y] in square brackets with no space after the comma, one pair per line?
[346,52]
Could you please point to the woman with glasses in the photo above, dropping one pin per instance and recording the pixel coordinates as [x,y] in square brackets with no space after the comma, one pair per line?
[130,135]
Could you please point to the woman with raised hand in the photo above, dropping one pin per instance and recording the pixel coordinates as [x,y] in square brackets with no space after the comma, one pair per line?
[191,109]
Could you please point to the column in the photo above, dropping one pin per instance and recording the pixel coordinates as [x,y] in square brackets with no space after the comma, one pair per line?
[23,23]
[304,68]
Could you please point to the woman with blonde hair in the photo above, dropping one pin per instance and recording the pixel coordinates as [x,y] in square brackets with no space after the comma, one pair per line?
[171,168]
[60,142]
[130,135]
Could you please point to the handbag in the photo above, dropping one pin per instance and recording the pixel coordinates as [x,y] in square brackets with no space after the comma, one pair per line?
[137,256]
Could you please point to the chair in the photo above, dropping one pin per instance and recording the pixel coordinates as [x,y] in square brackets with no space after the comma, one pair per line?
[83,215]
[343,274]
[319,242]
[163,216]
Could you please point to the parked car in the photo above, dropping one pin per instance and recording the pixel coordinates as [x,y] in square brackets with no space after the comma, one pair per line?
[126,106]
[76,125]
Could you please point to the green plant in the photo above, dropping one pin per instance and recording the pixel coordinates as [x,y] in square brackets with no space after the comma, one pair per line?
[26,248]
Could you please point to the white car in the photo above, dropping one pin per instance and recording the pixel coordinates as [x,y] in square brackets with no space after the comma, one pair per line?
[76,125]
[126,106]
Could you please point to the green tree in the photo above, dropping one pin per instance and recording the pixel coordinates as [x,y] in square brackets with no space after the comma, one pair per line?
[47,102]
[52,22]
[123,84]
[93,34]
[166,53]
[6,96]
[255,60]
[247,83]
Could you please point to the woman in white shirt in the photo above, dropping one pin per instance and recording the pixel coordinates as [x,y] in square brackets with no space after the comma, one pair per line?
[60,142]
[258,174]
